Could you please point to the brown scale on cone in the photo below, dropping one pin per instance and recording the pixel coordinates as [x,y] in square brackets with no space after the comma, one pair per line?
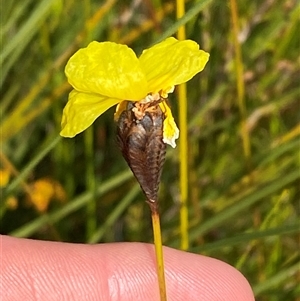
[140,138]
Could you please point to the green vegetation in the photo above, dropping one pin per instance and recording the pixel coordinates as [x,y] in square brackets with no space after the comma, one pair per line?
[244,134]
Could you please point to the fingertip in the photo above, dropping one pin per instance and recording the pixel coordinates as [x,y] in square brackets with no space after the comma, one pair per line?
[196,277]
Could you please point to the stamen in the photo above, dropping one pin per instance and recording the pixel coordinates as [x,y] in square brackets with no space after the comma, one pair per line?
[156,96]
[139,114]
[151,98]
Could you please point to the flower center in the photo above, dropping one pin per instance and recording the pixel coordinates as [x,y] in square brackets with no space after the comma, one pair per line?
[150,102]
[150,105]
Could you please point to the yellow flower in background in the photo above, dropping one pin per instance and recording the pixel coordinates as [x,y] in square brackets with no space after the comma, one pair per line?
[106,74]
[11,203]
[4,177]
[43,191]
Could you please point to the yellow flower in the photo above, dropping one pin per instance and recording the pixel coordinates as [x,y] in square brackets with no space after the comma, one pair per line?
[106,74]
[4,177]
[43,191]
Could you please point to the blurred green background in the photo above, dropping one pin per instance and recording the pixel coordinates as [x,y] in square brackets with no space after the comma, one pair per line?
[243,199]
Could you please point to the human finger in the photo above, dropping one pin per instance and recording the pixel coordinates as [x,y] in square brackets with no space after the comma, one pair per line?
[40,270]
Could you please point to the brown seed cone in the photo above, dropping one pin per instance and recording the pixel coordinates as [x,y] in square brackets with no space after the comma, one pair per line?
[142,146]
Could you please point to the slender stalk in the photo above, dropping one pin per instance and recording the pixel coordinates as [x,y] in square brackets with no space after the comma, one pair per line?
[183,145]
[240,82]
[158,250]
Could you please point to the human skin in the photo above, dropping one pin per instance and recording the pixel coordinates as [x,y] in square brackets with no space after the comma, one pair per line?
[42,270]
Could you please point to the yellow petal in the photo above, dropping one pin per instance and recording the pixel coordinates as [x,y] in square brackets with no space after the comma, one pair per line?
[109,69]
[170,129]
[81,111]
[172,62]
[121,107]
